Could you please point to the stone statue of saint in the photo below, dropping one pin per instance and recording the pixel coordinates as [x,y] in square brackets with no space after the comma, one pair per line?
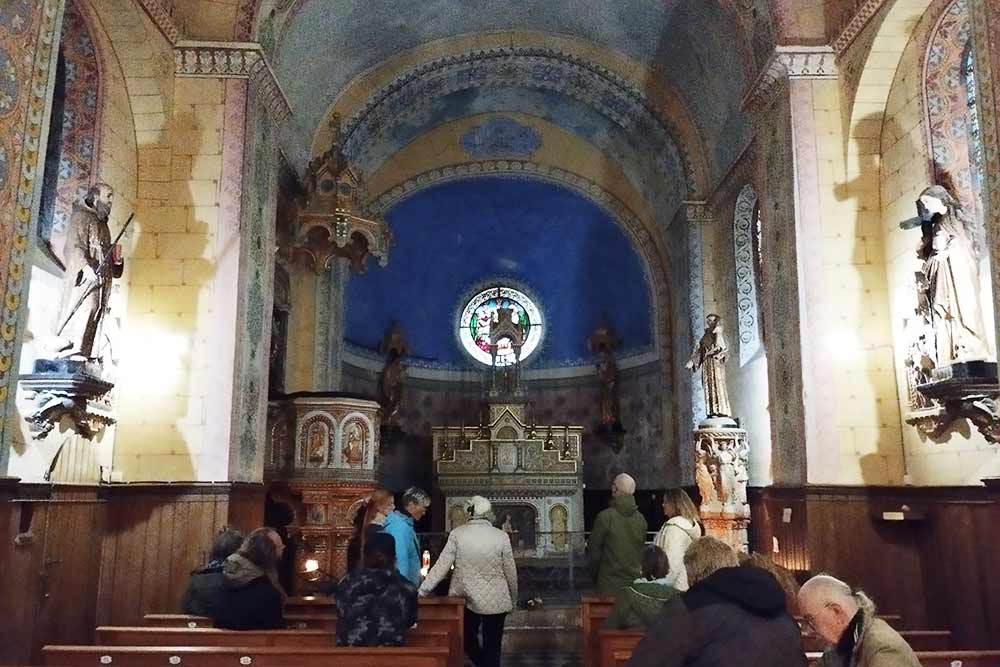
[393,345]
[710,357]
[949,278]
[607,373]
[91,264]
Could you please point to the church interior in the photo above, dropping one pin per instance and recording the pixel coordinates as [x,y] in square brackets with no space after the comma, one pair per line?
[263,257]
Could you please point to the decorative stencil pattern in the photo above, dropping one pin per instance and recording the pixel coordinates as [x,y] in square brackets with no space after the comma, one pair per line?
[501,137]
[746,283]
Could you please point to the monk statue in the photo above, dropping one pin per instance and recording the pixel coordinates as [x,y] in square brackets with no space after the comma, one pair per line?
[948,281]
[602,342]
[710,357]
[91,264]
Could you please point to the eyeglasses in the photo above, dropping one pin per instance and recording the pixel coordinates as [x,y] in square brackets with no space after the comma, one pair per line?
[810,619]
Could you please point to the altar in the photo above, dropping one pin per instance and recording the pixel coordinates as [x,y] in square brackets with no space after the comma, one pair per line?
[532,475]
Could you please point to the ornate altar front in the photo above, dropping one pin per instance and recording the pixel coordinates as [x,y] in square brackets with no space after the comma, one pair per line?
[531,474]
[323,451]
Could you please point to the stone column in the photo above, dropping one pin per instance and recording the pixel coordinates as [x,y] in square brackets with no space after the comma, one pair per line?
[986,42]
[329,338]
[802,395]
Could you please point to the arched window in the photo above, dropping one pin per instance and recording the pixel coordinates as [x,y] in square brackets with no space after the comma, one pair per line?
[747,250]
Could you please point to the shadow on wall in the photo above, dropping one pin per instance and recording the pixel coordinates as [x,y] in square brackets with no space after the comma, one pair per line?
[866,333]
[162,378]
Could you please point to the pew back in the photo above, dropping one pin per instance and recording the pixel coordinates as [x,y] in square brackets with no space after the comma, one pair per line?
[942,658]
[593,611]
[265,656]
[610,642]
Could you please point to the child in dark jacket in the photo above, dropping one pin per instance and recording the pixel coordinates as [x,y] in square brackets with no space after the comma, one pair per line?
[252,598]
[206,585]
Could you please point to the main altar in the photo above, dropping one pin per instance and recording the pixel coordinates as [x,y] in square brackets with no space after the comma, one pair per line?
[531,474]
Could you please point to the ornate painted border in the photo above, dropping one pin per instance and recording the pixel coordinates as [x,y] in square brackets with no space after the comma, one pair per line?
[162,18]
[24,200]
[746,287]
[789,62]
[858,22]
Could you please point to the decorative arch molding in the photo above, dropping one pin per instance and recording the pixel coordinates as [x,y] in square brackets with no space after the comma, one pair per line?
[658,274]
[747,312]
[536,68]
[945,97]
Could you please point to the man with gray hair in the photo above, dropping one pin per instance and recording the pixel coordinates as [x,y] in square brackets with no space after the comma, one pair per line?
[730,616]
[616,541]
[845,620]
[411,508]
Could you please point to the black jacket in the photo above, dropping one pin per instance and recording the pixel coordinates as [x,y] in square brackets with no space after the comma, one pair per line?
[736,616]
[205,589]
[374,608]
[249,601]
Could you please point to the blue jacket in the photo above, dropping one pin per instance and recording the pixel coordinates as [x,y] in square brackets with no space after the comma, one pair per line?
[400,526]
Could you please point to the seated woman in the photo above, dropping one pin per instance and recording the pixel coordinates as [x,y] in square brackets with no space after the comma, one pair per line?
[252,599]
[640,602]
[205,586]
[375,604]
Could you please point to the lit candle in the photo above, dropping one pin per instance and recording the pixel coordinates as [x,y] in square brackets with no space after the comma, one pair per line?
[425,564]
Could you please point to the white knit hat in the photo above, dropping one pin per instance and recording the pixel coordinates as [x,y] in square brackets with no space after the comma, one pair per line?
[478,507]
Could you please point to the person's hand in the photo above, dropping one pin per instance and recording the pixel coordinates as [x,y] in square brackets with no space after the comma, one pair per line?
[422,593]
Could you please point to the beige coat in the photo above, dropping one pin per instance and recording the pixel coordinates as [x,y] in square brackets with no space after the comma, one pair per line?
[485,574]
[878,646]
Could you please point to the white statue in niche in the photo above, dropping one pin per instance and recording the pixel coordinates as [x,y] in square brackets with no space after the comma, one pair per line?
[710,357]
[948,281]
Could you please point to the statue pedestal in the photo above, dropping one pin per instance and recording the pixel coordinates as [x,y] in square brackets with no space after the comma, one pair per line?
[721,453]
[965,389]
[67,388]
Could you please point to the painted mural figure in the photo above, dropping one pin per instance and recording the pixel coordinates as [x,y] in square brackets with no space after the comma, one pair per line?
[354,450]
[91,264]
[317,444]
[949,280]
[710,357]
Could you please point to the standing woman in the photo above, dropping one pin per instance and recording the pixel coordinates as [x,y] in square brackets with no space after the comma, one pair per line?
[370,519]
[485,575]
[683,525]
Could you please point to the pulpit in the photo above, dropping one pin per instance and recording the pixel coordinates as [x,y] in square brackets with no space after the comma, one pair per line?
[323,451]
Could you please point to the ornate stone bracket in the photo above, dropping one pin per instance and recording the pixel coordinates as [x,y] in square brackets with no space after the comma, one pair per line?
[789,62]
[721,472]
[233,60]
[964,391]
[697,211]
[322,237]
[67,389]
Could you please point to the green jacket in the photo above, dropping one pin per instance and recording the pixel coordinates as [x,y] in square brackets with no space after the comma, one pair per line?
[616,545]
[639,603]
[878,645]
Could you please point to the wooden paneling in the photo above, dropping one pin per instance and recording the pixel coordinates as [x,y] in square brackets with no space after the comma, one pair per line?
[937,568]
[157,534]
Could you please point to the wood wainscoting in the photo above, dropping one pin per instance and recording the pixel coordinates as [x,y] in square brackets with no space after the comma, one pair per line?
[928,553]
[74,557]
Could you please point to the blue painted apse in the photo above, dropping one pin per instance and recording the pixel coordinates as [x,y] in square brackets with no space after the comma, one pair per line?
[451,238]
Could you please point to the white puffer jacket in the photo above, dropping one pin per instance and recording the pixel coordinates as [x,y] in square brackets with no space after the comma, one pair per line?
[485,574]
[674,538]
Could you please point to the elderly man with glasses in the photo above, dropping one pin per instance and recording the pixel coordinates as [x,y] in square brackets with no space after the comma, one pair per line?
[845,620]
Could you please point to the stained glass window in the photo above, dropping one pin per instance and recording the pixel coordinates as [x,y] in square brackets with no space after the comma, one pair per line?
[974,131]
[484,311]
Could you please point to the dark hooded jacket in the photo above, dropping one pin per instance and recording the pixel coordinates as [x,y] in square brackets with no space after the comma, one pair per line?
[205,590]
[250,597]
[736,616]
[615,545]
[374,608]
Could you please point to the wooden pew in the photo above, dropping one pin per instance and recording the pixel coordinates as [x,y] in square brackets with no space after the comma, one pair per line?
[943,658]
[145,636]
[326,622]
[621,658]
[610,642]
[593,611]
[919,640]
[231,656]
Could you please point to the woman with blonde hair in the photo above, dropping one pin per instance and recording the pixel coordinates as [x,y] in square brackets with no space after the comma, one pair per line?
[683,526]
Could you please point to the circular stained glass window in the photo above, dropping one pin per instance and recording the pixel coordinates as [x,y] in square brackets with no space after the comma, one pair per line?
[504,312]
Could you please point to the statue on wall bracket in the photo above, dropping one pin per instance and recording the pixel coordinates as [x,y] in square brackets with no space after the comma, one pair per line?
[394,347]
[336,221]
[602,343]
[949,370]
[71,382]
[710,356]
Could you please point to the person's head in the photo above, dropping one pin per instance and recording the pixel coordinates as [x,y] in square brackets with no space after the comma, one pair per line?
[100,198]
[828,606]
[380,552]
[380,504]
[785,578]
[479,508]
[415,502]
[263,547]
[707,555]
[623,485]
[227,541]
[676,502]
[654,563]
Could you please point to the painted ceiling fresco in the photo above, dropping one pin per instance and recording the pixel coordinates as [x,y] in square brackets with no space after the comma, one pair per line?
[459,236]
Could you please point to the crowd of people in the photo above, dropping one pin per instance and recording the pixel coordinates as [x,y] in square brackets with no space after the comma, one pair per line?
[697,599]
